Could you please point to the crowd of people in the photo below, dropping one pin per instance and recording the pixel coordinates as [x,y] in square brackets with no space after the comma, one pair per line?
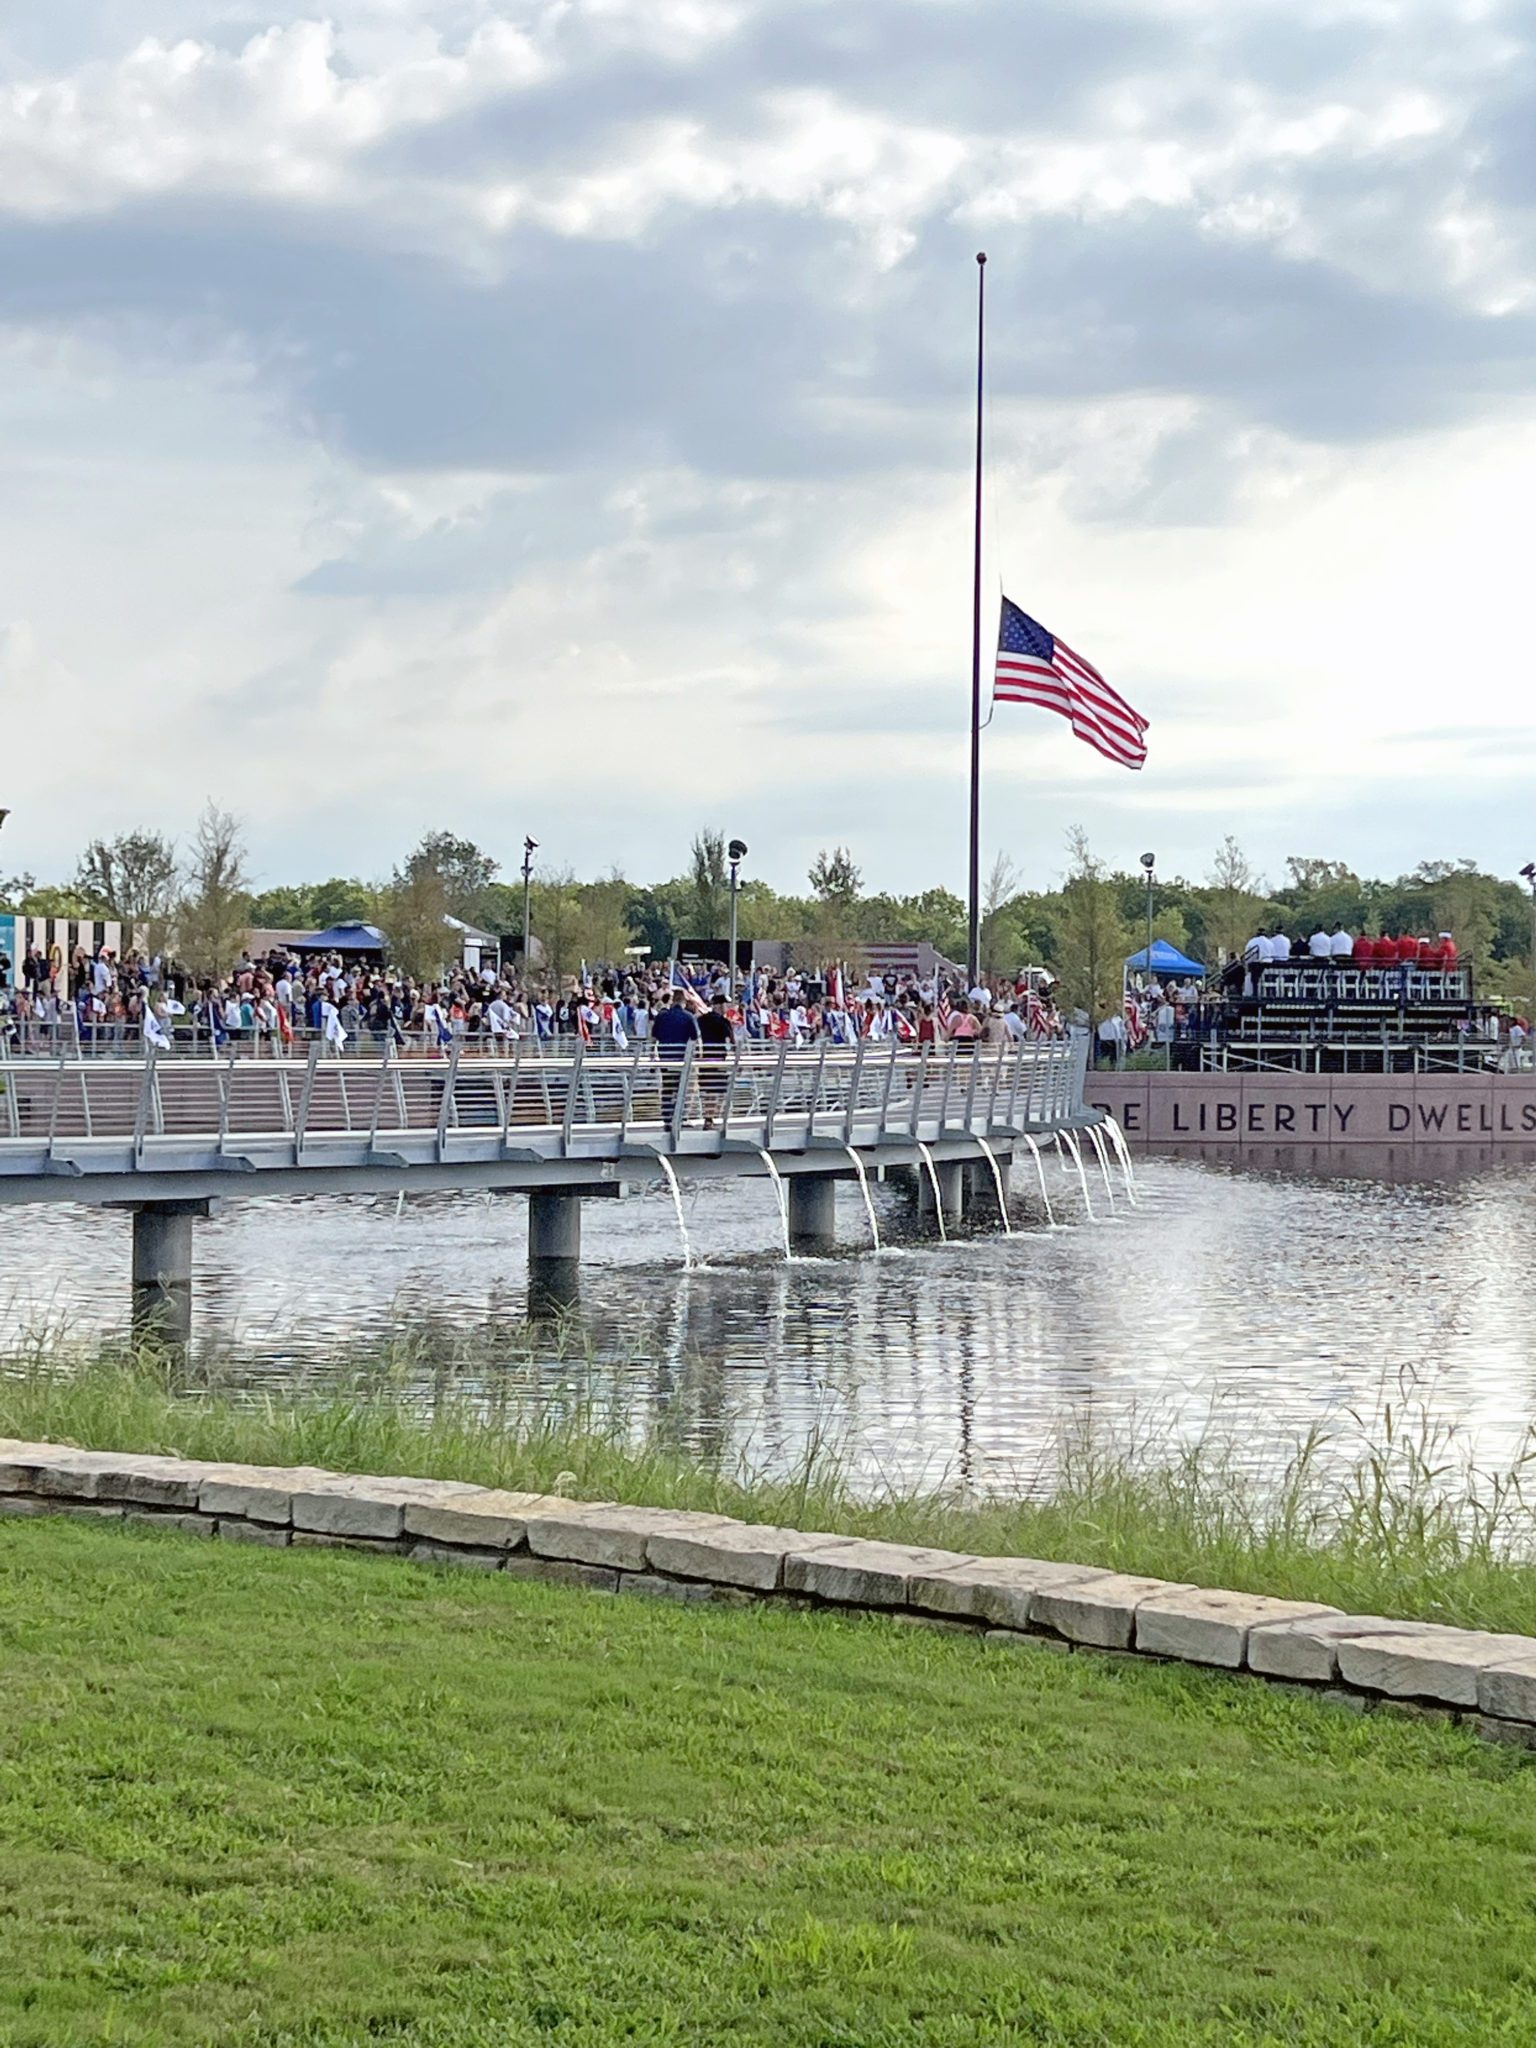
[106,1002]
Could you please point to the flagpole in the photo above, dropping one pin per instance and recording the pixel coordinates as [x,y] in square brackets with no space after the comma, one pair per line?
[973,963]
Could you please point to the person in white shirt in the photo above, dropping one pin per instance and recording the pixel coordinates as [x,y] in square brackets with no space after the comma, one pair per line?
[1259,951]
[1015,1025]
[1342,944]
[981,996]
[1320,946]
[500,1018]
[1279,945]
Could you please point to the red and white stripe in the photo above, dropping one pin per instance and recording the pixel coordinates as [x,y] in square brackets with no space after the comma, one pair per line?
[1075,688]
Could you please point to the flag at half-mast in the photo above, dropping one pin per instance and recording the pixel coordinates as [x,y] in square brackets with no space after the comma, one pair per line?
[1034,667]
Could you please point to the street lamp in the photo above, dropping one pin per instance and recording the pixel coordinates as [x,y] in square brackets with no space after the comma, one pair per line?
[1529,873]
[530,848]
[1149,862]
[735,853]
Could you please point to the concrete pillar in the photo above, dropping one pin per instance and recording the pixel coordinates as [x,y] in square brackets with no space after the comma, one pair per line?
[812,1212]
[554,1251]
[162,1271]
[950,1174]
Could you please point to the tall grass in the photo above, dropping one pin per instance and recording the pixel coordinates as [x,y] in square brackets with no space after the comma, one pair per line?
[1385,1512]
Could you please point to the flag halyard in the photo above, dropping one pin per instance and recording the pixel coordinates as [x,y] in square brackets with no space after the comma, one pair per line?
[1034,667]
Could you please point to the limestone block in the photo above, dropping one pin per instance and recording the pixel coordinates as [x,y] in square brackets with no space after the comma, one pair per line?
[651,1586]
[316,1539]
[20,1463]
[995,1589]
[257,1493]
[558,1572]
[266,1533]
[347,1504]
[1508,1688]
[749,1554]
[1441,1665]
[610,1536]
[1100,1612]
[484,1517]
[1309,1649]
[863,1574]
[1520,1734]
[457,1554]
[1013,1639]
[183,1525]
[1211,1627]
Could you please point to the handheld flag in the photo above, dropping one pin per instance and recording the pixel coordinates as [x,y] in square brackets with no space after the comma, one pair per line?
[1034,667]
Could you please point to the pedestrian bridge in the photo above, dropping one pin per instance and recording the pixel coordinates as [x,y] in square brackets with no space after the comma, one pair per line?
[165,1135]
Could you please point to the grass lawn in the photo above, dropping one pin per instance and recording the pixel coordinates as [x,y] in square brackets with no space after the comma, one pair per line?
[309,1798]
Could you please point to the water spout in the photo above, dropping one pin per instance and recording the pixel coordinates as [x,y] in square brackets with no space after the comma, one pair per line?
[938,1198]
[869,1207]
[677,1202]
[997,1182]
[779,1190]
[1070,1140]
[1050,1213]
[1102,1155]
[1123,1154]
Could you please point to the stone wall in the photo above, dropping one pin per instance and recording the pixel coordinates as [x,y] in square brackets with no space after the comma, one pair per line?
[1244,1112]
[1361,1660]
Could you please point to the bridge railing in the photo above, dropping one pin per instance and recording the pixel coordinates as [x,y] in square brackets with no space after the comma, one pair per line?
[460,1102]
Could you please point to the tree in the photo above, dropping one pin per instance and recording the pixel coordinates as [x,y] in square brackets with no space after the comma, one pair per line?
[212,918]
[711,905]
[288,909]
[1091,940]
[341,900]
[998,935]
[412,911]
[834,879]
[133,878]
[557,912]
[14,889]
[1235,904]
[465,871]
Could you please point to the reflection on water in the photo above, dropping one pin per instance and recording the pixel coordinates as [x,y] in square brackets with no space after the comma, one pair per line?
[1270,1299]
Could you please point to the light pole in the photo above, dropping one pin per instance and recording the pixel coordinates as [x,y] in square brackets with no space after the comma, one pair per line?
[530,848]
[1149,862]
[735,853]
[1529,872]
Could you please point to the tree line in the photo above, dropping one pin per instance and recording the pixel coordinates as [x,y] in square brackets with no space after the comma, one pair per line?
[198,902]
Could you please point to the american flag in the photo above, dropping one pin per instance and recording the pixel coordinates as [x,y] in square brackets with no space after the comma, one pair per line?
[1034,667]
[946,1009]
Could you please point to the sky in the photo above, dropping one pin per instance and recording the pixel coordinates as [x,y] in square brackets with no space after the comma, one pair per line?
[555,416]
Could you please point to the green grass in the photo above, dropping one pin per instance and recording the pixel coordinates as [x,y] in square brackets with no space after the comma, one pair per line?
[1395,1522]
[303,1798]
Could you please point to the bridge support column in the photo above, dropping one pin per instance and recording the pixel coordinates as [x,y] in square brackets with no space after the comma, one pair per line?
[950,1174]
[554,1251]
[812,1212]
[162,1271]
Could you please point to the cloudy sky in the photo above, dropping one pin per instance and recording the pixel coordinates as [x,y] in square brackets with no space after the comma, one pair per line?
[553,415]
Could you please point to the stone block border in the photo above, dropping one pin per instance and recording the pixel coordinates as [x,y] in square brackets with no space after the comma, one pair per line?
[1362,1660]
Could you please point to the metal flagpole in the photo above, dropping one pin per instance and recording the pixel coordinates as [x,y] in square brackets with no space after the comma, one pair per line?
[974,941]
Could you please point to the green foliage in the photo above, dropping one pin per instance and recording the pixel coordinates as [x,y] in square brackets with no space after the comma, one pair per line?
[133,879]
[308,1800]
[1091,939]
[212,918]
[464,873]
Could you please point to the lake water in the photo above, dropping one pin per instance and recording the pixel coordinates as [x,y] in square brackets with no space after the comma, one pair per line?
[1265,1301]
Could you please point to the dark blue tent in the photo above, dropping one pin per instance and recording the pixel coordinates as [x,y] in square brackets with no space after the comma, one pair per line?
[344,938]
[1166,959]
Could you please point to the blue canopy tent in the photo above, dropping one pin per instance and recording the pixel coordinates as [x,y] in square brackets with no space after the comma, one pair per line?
[1164,959]
[344,938]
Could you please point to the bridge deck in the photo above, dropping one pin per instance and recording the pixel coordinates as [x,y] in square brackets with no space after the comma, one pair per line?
[142,1128]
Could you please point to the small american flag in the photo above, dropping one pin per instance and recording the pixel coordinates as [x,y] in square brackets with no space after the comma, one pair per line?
[1034,667]
[946,1009]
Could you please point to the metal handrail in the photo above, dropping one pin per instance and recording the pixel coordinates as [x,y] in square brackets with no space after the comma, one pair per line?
[178,1114]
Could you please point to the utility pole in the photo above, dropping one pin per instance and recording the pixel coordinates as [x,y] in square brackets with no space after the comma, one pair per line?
[1149,862]
[530,848]
[735,853]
